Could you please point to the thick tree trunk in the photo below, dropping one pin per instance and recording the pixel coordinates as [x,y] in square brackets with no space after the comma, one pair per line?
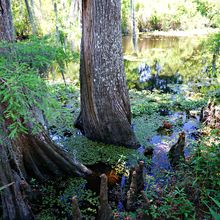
[29,156]
[14,204]
[6,25]
[105,109]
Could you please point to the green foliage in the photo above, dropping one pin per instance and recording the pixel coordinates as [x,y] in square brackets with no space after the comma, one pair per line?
[212,51]
[174,15]
[22,90]
[76,187]
[90,152]
[206,163]
[155,22]
[125,9]
[67,107]
[203,7]
[20,20]
[213,43]
[199,179]
[209,9]
[147,103]
[58,202]
[174,205]
[193,190]
[215,215]
[38,54]
[67,21]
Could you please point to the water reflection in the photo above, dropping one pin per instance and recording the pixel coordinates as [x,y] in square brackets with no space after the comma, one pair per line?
[146,42]
[161,60]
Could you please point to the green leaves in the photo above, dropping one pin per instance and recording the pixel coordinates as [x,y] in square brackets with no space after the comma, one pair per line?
[214,214]
[38,54]
[23,93]
[21,89]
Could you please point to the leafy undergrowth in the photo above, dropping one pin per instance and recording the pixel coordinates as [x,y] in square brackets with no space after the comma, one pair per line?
[191,192]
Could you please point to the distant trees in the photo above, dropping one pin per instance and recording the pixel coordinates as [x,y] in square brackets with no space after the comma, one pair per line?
[133,19]
[30,10]
[105,108]
[6,25]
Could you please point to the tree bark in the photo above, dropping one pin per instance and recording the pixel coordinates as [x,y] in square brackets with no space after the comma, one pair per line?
[105,108]
[133,21]
[76,213]
[25,157]
[105,210]
[57,23]
[132,193]
[6,24]
[176,152]
[31,17]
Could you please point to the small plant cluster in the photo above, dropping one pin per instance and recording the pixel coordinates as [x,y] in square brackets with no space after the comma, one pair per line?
[147,103]
[56,200]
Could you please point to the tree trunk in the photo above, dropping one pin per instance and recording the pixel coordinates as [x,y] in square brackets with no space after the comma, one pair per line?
[105,108]
[57,23]
[40,3]
[134,35]
[31,17]
[29,156]
[6,25]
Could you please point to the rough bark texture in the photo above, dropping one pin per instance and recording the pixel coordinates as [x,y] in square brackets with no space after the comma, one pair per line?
[105,109]
[6,25]
[176,153]
[140,176]
[76,214]
[105,211]
[134,35]
[23,158]
[136,180]
[132,193]
[210,115]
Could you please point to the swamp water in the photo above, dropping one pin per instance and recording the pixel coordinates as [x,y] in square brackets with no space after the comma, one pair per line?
[165,65]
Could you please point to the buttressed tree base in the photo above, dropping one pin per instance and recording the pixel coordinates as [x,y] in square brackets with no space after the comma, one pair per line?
[105,108]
